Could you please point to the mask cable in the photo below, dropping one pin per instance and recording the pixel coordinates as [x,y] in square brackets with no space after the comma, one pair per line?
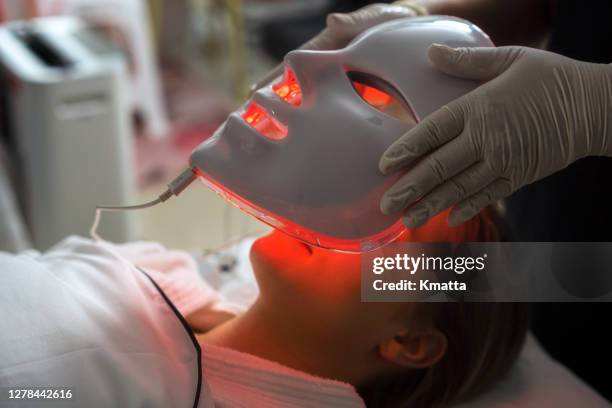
[175,188]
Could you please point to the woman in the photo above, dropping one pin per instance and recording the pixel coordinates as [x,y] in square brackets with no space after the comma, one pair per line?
[110,324]
[309,316]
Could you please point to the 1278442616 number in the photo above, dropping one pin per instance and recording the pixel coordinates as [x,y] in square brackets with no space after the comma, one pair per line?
[31,393]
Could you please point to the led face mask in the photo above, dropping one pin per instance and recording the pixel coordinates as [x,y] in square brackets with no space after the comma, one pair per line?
[302,155]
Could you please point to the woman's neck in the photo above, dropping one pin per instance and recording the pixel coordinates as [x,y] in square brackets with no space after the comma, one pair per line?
[258,333]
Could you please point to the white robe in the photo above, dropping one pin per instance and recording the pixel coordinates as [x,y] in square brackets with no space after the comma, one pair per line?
[82,318]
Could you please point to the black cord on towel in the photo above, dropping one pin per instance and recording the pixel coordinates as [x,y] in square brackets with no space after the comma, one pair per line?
[175,188]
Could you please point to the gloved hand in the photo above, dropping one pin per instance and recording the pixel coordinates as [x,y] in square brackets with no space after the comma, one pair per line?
[538,113]
[342,28]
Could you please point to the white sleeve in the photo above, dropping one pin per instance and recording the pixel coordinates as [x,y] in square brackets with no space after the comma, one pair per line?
[176,272]
[81,317]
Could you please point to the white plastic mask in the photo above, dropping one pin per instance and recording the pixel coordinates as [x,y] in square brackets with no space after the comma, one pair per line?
[302,155]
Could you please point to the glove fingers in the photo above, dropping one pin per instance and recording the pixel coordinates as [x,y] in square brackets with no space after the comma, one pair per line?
[448,194]
[482,63]
[435,130]
[328,39]
[350,25]
[434,170]
[341,29]
[322,41]
[467,209]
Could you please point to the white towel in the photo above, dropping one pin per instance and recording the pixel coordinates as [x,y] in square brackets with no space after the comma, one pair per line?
[241,380]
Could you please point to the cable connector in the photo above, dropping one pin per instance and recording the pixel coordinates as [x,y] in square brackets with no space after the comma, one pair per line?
[180,183]
[175,187]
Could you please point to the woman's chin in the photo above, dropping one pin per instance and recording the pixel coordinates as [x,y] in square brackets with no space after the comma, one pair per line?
[278,247]
[278,261]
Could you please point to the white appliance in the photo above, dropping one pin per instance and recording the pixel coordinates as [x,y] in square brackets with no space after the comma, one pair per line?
[66,119]
[128,22]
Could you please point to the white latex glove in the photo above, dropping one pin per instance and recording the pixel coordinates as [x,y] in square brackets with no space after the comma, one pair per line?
[342,28]
[538,113]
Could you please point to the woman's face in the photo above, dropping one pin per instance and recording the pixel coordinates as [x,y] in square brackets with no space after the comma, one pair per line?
[319,289]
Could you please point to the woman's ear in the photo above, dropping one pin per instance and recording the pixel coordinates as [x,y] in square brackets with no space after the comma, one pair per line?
[415,349]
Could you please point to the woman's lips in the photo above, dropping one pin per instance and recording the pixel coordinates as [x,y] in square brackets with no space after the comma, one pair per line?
[267,125]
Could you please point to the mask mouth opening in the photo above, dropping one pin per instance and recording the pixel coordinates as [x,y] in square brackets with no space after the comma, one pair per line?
[260,120]
[288,89]
[382,96]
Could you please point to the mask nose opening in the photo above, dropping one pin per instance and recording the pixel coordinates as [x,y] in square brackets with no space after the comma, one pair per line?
[288,89]
[382,96]
[260,120]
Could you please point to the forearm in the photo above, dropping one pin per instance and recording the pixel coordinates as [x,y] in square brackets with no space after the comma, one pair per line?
[508,22]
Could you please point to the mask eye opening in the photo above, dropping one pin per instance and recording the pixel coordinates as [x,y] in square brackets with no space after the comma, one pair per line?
[381,95]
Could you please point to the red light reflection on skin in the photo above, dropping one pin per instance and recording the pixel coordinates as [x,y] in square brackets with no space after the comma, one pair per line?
[283,263]
[260,120]
[373,96]
[289,89]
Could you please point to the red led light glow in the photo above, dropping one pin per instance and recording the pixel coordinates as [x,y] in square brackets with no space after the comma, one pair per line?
[383,101]
[297,231]
[260,120]
[373,96]
[289,89]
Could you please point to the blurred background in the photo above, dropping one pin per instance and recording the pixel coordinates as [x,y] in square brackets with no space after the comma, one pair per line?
[102,101]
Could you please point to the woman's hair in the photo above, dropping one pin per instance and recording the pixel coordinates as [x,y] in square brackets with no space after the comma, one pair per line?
[484,339]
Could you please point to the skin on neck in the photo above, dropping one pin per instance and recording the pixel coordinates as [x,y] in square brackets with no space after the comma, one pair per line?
[263,333]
